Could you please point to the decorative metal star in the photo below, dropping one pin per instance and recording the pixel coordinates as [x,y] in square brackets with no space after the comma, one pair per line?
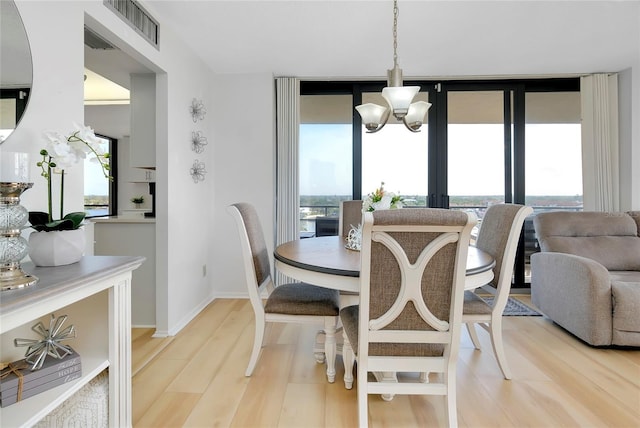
[50,342]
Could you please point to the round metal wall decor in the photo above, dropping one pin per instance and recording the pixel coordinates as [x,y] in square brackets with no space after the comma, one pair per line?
[198,142]
[197,171]
[197,110]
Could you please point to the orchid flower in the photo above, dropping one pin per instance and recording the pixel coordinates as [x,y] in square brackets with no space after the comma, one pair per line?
[60,154]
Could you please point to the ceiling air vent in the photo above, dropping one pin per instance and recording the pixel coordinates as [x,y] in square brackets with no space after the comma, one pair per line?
[94,41]
[138,18]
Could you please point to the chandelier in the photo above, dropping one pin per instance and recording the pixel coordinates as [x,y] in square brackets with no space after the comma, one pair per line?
[398,97]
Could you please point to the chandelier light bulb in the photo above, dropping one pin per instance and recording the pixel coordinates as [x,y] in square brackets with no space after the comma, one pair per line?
[374,116]
[399,98]
[416,115]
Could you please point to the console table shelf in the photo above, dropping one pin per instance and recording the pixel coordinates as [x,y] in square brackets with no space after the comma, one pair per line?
[95,293]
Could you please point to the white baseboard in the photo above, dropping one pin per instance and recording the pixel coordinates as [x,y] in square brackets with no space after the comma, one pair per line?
[187,319]
[143,326]
[232,295]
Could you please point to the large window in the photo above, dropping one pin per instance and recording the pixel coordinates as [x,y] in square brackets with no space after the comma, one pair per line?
[100,193]
[553,152]
[475,149]
[325,157]
[396,157]
[485,142]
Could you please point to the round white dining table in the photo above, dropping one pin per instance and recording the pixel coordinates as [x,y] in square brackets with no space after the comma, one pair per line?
[325,261]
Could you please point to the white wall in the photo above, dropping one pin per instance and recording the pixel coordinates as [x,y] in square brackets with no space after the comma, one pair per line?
[628,111]
[625,92]
[55,32]
[244,170]
[183,206]
[628,108]
[635,131]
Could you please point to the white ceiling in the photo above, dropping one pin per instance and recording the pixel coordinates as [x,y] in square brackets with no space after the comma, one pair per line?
[353,39]
[99,90]
[347,39]
[107,76]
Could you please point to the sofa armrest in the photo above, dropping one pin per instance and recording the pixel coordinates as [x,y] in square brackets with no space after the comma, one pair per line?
[575,292]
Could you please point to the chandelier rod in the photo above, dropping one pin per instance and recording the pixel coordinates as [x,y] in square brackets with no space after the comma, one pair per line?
[395,33]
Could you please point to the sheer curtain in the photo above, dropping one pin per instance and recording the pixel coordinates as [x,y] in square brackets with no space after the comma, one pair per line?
[287,191]
[600,164]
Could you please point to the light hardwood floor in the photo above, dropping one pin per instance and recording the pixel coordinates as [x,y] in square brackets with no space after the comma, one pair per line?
[197,380]
[145,348]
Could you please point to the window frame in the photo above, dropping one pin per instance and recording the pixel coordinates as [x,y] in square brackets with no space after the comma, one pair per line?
[514,110]
[113,172]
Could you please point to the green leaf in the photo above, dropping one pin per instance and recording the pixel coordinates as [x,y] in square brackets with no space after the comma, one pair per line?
[39,221]
[38,218]
[76,218]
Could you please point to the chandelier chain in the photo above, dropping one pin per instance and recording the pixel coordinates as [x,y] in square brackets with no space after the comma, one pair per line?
[395,32]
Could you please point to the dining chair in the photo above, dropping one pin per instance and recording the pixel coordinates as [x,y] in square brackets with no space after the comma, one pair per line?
[410,312]
[499,235]
[287,303]
[350,215]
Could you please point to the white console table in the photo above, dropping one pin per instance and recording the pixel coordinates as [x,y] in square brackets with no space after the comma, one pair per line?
[95,293]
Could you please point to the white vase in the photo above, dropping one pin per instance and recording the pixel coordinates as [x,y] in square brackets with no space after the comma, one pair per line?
[57,248]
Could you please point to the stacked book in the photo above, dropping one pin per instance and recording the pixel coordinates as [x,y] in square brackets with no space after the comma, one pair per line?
[18,379]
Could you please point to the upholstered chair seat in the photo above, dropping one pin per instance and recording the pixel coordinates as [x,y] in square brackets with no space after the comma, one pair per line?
[303,299]
[474,304]
[286,303]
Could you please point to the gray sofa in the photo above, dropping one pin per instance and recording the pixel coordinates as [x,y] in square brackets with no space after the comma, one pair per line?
[587,276]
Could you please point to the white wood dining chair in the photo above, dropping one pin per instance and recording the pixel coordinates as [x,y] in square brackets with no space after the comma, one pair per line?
[350,216]
[286,303]
[499,234]
[410,312]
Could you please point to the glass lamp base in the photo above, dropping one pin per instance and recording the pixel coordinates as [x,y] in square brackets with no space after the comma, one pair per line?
[13,247]
[13,277]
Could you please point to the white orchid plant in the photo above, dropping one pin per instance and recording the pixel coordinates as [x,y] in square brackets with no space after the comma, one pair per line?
[60,154]
[381,199]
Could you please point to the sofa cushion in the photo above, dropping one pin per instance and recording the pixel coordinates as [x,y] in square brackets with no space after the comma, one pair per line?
[636,216]
[625,275]
[626,318]
[611,239]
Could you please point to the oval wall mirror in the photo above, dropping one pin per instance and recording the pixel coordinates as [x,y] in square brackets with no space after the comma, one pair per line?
[15,68]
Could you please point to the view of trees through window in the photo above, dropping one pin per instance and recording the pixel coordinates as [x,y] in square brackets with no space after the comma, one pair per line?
[492,150]
[475,146]
[98,190]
